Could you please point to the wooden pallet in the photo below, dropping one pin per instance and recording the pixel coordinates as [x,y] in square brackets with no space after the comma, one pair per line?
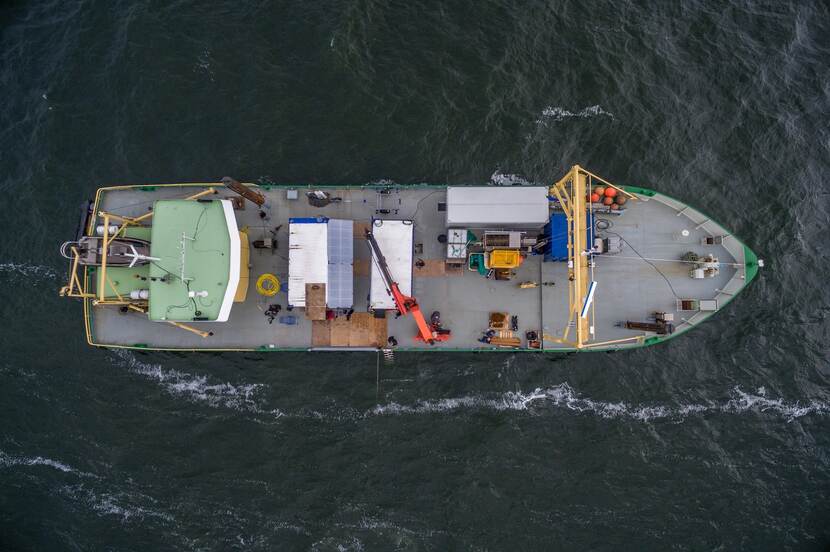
[320,333]
[362,330]
[315,301]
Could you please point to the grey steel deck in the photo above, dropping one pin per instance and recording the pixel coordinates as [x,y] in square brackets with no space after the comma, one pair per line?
[627,287]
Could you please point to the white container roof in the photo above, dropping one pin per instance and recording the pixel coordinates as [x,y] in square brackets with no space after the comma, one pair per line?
[321,251]
[497,206]
[395,239]
[307,257]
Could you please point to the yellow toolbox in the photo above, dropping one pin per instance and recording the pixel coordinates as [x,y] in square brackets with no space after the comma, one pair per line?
[504,258]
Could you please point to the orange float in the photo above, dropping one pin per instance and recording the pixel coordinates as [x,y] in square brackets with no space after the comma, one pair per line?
[608,200]
[610,192]
[594,197]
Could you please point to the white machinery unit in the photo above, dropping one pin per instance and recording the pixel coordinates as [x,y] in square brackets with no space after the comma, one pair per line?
[457,245]
[705,267]
[497,206]
[395,239]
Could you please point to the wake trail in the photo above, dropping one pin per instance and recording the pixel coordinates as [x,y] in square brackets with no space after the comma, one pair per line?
[564,397]
[247,398]
[199,388]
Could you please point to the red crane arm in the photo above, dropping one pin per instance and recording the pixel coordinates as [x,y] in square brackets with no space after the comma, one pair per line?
[403,303]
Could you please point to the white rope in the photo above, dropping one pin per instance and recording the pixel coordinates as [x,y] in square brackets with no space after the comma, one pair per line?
[701,261]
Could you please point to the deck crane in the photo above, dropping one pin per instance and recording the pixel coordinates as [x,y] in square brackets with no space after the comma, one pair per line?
[430,333]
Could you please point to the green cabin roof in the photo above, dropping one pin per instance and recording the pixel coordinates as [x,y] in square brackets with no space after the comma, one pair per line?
[193,243]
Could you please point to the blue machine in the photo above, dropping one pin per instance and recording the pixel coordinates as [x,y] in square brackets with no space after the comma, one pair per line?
[556,231]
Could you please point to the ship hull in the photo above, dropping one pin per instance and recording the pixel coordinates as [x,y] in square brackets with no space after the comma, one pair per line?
[652,226]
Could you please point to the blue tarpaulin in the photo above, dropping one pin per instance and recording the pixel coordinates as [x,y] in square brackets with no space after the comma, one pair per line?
[557,233]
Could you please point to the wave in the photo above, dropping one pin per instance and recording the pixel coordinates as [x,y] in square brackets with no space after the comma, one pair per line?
[127,506]
[563,396]
[8,461]
[335,543]
[378,525]
[556,114]
[197,388]
[26,270]
[110,505]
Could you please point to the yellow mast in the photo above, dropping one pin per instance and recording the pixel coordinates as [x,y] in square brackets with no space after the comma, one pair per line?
[572,193]
[579,260]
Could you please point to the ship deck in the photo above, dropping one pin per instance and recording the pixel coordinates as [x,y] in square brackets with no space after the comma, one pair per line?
[628,288]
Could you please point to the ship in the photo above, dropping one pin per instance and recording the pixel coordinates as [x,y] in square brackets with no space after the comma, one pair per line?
[578,265]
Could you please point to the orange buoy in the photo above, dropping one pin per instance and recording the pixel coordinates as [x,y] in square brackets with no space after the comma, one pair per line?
[621,199]
[599,190]
[594,197]
[614,206]
[608,200]
[610,192]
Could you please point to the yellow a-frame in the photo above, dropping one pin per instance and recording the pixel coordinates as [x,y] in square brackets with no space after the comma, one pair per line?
[572,192]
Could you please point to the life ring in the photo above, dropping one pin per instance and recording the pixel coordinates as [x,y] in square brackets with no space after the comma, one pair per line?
[268,285]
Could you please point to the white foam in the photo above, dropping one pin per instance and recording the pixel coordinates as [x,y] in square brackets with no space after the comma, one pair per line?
[9,461]
[556,114]
[26,270]
[742,402]
[197,388]
[507,401]
[351,544]
[122,505]
[501,179]
[378,525]
[563,396]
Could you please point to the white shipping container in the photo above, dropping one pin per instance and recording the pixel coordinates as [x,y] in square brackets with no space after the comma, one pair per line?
[497,206]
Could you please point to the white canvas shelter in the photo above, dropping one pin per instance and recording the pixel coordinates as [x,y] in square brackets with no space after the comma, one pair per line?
[321,251]
[307,257]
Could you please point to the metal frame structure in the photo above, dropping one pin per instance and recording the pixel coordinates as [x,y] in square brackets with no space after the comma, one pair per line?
[78,287]
[572,191]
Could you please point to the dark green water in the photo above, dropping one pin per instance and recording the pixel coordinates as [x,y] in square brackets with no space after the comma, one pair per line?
[718,440]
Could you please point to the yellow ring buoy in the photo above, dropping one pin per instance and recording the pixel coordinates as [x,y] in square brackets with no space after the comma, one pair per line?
[268,285]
